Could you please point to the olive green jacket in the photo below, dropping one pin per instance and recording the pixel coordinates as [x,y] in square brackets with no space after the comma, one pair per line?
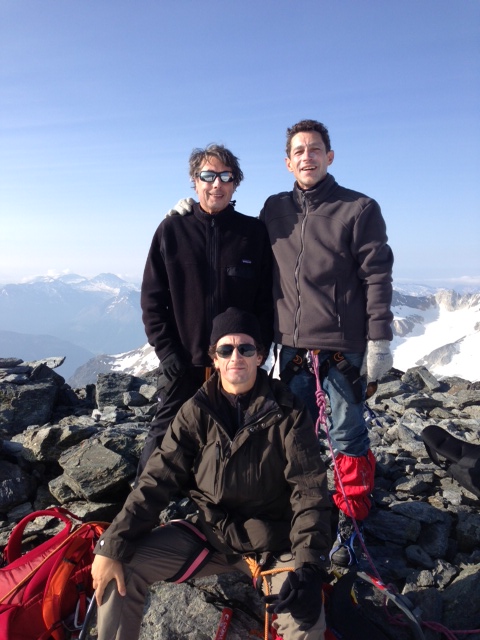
[263,490]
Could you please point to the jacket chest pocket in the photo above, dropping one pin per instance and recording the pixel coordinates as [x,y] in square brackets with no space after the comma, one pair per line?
[254,470]
[244,271]
[241,283]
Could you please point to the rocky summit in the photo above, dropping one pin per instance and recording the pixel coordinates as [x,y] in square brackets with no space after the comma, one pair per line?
[79,448]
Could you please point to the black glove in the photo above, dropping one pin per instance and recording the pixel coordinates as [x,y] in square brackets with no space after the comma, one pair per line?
[300,595]
[173,367]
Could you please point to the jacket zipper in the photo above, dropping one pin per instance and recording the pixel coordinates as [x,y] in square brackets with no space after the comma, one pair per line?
[213,271]
[296,318]
[218,467]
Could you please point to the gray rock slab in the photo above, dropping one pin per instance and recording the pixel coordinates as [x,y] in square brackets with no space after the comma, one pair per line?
[421,511]
[461,601]
[386,525]
[22,406]
[202,605]
[16,486]
[47,443]
[95,472]
[468,531]
[111,387]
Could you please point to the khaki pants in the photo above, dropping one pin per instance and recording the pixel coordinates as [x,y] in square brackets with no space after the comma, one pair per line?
[160,555]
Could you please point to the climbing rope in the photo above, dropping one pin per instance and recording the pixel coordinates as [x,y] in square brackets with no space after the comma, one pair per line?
[322,421]
[257,573]
[390,590]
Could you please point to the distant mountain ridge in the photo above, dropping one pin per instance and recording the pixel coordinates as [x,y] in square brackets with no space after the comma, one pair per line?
[440,330]
[98,316]
[39,346]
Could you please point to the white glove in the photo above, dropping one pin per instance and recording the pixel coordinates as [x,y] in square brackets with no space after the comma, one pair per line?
[182,207]
[377,361]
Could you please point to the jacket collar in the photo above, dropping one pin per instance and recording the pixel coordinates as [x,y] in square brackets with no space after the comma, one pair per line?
[208,217]
[270,394]
[317,194]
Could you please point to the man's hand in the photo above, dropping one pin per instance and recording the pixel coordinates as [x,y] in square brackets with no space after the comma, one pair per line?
[103,571]
[182,207]
[300,595]
[377,360]
[173,367]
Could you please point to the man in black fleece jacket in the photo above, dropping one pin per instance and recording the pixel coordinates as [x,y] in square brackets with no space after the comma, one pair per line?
[198,265]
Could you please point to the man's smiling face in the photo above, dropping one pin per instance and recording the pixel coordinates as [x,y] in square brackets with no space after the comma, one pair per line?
[308,161]
[214,196]
[238,373]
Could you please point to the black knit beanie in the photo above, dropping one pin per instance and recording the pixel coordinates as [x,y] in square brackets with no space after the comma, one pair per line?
[235,320]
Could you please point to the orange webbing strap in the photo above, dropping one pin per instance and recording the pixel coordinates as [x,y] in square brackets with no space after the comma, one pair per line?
[257,573]
[80,550]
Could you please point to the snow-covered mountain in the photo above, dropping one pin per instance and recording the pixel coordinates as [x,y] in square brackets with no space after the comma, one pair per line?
[99,315]
[135,362]
[437,328]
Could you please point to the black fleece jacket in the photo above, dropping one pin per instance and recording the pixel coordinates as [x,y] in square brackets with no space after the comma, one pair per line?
[198,266]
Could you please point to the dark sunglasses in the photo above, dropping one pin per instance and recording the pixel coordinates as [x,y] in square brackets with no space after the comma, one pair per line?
[211,176]
[226,350]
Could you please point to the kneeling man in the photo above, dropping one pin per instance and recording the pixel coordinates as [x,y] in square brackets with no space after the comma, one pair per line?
[245,451]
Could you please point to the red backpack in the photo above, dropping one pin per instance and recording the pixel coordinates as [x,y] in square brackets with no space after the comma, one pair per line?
[45,592]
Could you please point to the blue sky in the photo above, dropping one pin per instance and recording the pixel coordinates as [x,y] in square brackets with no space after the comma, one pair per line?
[102,101]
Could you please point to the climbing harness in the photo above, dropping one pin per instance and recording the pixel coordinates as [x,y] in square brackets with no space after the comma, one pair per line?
[298,363]
[199,559]
[303,360]
[348,371]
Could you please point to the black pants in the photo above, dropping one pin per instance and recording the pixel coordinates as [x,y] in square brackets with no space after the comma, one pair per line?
[171,396]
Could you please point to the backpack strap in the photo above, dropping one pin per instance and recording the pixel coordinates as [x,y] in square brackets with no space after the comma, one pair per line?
[80,543]
[48,551]
[13,548]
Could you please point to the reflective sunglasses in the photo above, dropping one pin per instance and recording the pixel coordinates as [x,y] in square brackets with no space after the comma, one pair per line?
[211,176]
[226,350]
